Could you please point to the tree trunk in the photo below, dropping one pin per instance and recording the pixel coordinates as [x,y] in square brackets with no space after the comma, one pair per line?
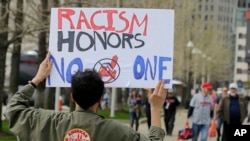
[126,95]
[119,99]
[15,58]
[119,90]
[39,102]
[3,48]
[49,97]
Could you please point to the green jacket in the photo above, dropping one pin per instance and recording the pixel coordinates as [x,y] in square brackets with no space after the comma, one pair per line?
[224,105]
[30,124]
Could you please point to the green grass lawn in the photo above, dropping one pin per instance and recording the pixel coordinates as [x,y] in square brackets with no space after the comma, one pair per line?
[123,114]
[7,136]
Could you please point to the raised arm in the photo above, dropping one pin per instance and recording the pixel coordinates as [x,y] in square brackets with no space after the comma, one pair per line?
[156,100]
[18,112]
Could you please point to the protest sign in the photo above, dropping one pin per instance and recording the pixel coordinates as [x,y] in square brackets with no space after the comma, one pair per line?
[127,47]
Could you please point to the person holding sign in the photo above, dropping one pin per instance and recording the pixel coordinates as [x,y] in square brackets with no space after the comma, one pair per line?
[82,124]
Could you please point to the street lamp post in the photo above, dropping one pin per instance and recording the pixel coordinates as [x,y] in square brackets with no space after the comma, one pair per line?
[114,90]
[190,45]
[203,68]
[209,59]
[195,51]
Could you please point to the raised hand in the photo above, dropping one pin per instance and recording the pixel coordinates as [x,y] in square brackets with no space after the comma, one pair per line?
[44,70]
[157,98]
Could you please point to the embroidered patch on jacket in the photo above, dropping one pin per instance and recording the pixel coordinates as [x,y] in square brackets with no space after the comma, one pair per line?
[77,134]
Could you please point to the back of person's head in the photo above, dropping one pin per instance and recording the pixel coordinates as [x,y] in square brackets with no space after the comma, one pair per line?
[87,88]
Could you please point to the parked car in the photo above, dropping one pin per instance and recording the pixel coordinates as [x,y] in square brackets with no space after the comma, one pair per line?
[28,66]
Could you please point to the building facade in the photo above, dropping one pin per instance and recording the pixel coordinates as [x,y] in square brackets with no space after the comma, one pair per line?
[240,66]
[240,38]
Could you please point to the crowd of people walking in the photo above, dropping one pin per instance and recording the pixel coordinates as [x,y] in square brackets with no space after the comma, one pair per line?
[226,109]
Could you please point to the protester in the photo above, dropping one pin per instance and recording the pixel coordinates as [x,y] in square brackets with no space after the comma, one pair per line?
[201,111]
[232,109]
[147,111]
[213,95]
[106,99]
[87,87]
[218,119]
[170,106]
[138,106]
[133,109]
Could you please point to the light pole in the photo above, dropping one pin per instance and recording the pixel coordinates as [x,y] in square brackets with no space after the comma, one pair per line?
[114,90]
[195,51]
[209,59]
[203,68]
[190,45]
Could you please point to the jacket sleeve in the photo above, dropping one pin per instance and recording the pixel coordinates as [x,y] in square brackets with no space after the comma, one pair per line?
[190,112]
[155,134]
[219,109]
[245,106]
[191,107]
[23,119]
[18,112]
[177,101]
[121,132]
[117,131]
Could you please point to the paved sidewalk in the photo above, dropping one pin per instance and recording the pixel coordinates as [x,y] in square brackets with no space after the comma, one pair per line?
[179,124]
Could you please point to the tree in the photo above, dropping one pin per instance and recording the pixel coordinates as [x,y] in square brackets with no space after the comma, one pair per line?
[42,49]
[3,47]
[17,39]
[49,95]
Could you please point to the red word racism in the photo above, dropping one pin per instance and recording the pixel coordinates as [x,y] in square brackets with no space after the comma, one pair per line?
[109,34]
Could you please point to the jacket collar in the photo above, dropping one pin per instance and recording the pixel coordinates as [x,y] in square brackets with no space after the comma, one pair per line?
[88,111]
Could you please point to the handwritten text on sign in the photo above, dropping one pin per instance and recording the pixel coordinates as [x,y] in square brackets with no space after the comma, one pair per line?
[128,47]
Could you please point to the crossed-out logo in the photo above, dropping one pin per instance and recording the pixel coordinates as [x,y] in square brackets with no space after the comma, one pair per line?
[77,134]
[239,132]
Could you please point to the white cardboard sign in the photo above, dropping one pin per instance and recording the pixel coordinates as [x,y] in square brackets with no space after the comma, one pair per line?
[127,47]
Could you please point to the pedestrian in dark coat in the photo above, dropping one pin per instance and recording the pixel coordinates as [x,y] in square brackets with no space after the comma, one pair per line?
[170,106]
